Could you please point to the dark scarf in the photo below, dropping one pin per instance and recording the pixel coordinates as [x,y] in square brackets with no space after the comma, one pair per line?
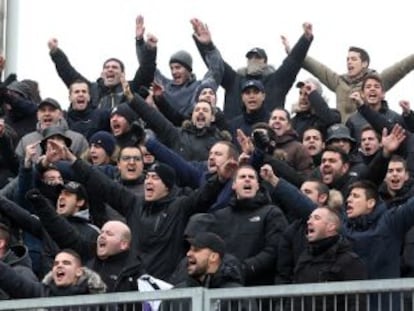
[318,247]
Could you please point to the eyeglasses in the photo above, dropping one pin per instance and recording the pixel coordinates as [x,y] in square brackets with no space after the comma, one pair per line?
[128,158]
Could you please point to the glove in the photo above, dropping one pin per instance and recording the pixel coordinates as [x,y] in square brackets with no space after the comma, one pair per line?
[261,140]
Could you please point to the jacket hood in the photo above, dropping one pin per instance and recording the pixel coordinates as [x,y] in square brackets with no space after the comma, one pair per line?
[18,254]
[229,272]
[89,281]
[250,73]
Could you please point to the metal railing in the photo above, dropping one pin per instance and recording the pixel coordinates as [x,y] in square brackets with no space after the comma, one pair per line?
[395,294]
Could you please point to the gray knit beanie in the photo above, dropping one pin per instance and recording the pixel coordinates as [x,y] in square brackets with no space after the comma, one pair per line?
[183,58]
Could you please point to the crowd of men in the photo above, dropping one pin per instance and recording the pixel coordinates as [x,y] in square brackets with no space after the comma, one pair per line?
[152,177]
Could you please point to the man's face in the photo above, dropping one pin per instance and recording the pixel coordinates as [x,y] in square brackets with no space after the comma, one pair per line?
[319,226]
[66,270]
[119,125]
[209,95]
[252,99]
[310,189]
[68,203]
[357,203]
[369,142]
[332,167]
[312,140]
[217,156]
[198,261]
[52,177]
[355,64]
[396,176]
[341,143]
[48,116]
[111,241]
[279,122]
[98,155]
[304,104]
[155,189]
[245,184]
[179,73]
[130,163]
[372,93]
[79,96]
[202,115]
[111,73]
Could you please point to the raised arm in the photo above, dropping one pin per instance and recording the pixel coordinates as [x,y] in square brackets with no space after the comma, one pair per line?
[64,68]
[393,74]
[161,126]
[59,229]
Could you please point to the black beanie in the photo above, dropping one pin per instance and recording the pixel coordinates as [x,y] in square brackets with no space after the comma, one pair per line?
[165,172]
[183,58]
[125,111]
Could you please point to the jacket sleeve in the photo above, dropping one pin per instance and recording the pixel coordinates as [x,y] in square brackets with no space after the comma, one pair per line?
[283,169]
[59,229]
[326,116]
[144,75]
[200,200]
[162,127]
[7,154]
[18,286]
[291,200]
[379,121]
[327,76]
[188,175]
[266,259]
[96,182]
[393,74]
[172,114]
[285,75]
[64,68]
[229,74]
[214,62]
[20,217]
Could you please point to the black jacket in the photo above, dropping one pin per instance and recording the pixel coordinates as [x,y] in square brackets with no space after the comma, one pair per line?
[329,260]
[259,225]
[277,83]
[157,227]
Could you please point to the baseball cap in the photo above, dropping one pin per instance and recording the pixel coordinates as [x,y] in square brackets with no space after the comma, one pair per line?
[51,102]
[209,240]
[314,81]
[253,83]
[76,188]
[258,51]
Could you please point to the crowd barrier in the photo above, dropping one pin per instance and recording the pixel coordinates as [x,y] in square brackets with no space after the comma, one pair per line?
[393,294]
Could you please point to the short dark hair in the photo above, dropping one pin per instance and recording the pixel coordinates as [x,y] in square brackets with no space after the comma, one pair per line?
[72,253]
[344,156]
[321,187]
[400,159]
[369,187]
[129,146]
[363,54]
[80,81]
[368,127]
[285,110]
[233,152]
[121,64]
[372,76]
[315,128]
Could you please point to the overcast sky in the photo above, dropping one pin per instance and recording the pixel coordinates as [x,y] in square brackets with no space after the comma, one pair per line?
[91,31]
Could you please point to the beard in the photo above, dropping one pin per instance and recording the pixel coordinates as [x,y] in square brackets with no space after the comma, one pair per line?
[255,69]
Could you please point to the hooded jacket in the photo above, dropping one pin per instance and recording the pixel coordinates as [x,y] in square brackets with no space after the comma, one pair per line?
[18,286]
[259,225]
